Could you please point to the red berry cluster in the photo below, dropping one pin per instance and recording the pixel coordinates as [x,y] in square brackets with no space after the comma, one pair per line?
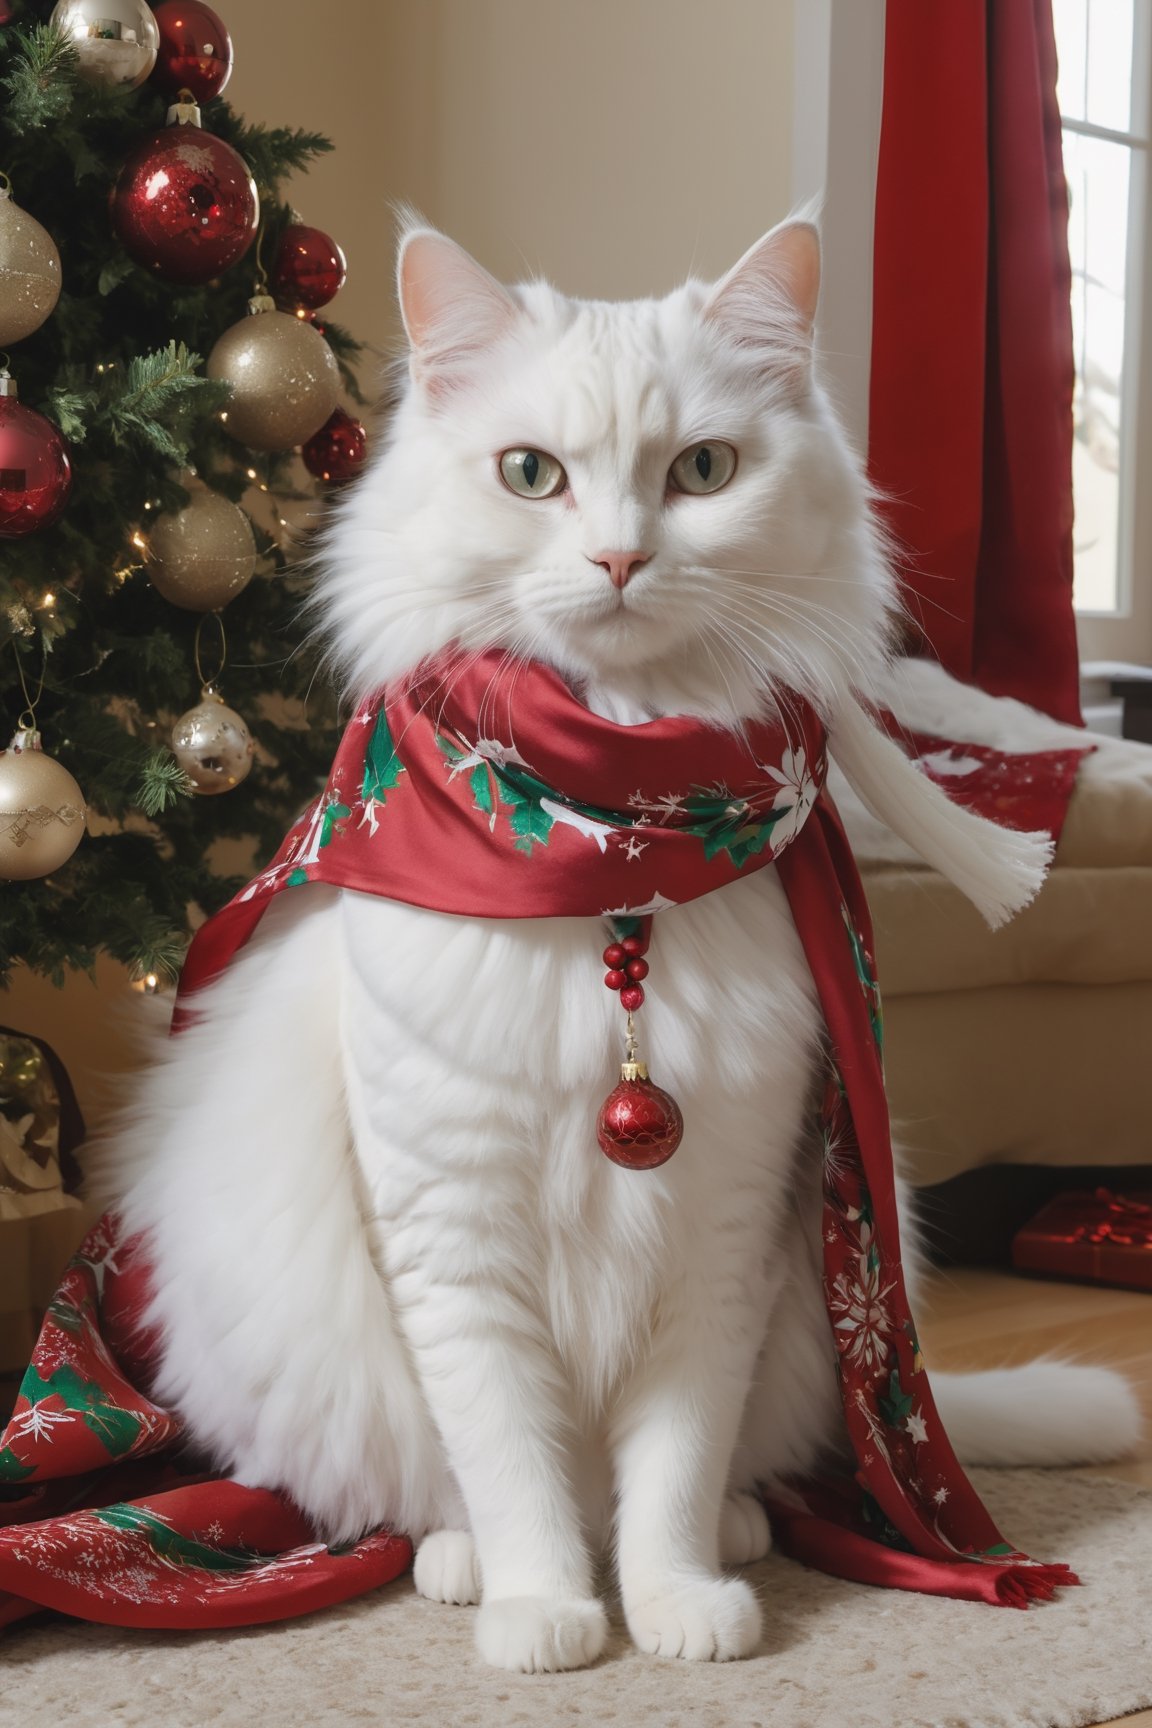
[626,967]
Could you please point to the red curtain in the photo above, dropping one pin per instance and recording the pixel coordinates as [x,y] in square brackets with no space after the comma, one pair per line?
[970,435]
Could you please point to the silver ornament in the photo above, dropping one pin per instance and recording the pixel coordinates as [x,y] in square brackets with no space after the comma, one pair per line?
[29,271]
[212,744]
[42,811]
[202,556]
[284,377]
[117,40]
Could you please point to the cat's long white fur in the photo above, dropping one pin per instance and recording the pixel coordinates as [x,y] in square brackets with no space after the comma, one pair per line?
[393,1275]
[999,869]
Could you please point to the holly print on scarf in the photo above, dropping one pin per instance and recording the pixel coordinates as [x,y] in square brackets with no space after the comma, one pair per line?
[76,1409]
[741,826]
[412,776]
[866,973]
[184,1549]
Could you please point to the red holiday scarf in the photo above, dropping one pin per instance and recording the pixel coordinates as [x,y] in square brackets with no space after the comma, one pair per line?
[492,792]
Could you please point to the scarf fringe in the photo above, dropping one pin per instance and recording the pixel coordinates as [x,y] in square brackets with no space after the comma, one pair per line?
[999,869]
[1018,1586]
[831,1547]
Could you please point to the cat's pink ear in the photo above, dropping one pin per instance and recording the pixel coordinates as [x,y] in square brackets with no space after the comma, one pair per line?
[452,308]
[768,300]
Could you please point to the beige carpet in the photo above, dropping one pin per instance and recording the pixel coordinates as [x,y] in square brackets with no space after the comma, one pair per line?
[835,1655]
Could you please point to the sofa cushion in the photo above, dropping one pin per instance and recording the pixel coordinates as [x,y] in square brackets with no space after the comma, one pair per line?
[1086,926]
[1109,819]
[1042,1074]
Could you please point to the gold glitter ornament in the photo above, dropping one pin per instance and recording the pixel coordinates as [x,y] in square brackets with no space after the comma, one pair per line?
[284,377]
[212,744]
[116,40]
[29,270]
[202,556]
[42,811]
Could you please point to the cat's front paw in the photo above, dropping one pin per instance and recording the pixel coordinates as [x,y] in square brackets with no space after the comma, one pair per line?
[704,1620]
[446,1568]
[540,1635]
[745,1533]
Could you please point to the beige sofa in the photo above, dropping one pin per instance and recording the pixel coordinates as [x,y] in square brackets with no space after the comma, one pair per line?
[1031,1044]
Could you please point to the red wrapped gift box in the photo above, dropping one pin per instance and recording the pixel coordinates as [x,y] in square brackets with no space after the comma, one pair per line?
[1100,1236]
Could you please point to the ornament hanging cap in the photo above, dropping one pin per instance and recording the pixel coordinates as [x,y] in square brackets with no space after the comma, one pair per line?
[8,384]
[261,302]
[185,111]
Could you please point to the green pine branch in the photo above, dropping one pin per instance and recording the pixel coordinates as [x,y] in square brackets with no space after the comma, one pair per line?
[162,783]
[275,152]
[347,350]
[39,84]
[159,402]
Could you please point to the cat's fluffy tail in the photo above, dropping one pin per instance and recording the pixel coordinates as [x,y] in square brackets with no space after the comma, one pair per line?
[1045,1413]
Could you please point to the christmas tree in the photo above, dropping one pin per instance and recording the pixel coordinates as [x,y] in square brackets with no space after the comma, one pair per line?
[140,369]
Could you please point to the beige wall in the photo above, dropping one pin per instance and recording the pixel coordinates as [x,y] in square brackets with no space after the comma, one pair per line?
[615,145]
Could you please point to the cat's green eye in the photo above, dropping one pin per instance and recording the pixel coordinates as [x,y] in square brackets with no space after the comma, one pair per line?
[703,467]
[532,473]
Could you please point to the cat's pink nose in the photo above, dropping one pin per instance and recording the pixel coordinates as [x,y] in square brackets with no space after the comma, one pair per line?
[621,566]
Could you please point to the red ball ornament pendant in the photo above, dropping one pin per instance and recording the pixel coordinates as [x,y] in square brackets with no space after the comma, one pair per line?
[184,204]
[195,49]
[310,268]
[35,471]
[338,451]
[639,1125]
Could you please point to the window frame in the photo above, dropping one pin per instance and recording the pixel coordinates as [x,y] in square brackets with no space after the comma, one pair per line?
[1126,632]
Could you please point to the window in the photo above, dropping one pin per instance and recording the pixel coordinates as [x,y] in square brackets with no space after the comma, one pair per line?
[1105,56]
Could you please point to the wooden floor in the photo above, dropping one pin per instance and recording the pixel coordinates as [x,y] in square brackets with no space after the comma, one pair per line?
[978,1319]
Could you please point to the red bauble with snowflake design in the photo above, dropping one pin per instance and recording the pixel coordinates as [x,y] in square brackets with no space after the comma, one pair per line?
[310,268]
[336,453]
[185,204]
[195,49]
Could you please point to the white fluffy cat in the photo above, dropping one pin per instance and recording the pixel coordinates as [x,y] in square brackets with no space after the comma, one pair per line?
[394,1276]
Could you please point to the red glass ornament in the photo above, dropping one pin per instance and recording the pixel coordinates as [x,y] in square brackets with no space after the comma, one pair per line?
[195,49]
[310,268]
[634,946]
[337,452]
[616,978]
[35,470]
[632,997]
[185,205]
[614,955]
[639,1125]
[636,970]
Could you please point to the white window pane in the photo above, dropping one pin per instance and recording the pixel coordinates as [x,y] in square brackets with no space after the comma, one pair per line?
[1105,168]
[1097,242]
[1095,536]
[1071,20]
[1110,63]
